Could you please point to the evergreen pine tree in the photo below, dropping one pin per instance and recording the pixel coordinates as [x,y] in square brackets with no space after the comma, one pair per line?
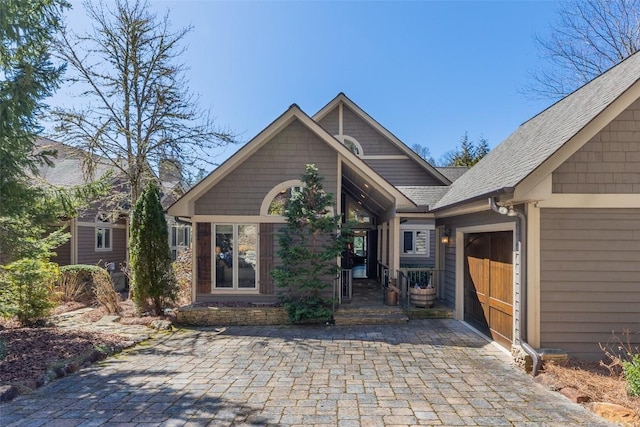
[27,76]
[150,255]
[310,245]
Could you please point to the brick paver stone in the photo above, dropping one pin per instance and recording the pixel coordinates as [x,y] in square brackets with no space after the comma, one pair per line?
[427,372]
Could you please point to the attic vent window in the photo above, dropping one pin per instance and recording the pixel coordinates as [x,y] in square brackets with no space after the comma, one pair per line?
[352,144]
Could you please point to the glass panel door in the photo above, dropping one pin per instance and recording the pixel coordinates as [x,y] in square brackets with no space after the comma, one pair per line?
[224,256]
[247,243]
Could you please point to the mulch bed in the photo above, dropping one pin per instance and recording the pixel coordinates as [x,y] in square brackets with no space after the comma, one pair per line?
[31,357]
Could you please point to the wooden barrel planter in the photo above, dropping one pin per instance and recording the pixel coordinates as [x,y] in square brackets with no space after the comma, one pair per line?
[422,297]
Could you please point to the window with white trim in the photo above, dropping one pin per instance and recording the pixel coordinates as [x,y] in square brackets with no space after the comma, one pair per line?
[282,197]
[352,144]
[103,232]
[179,238]
[415,240]
[235,256]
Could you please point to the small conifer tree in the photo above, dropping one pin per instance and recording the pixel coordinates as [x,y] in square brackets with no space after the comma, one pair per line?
[151,273]
[310,245]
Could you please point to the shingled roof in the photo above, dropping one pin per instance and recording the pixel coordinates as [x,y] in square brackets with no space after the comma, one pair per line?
[67,169]
[537,139]
[423,195]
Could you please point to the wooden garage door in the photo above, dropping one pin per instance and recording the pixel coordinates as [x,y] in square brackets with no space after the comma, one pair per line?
[488,285]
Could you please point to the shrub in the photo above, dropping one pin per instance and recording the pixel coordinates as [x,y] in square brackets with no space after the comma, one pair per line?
[311,309]
[25,288]
[182,271]
[105,294]
[83,271]
[150,255]
[632,375]
[622,355]
[75,282]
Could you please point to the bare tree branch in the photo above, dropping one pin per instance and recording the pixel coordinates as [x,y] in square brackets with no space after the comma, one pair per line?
[138,109]
[590,37]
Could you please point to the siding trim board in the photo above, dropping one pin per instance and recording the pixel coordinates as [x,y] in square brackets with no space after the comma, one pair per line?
[586,201]
[266,202]
[385,157]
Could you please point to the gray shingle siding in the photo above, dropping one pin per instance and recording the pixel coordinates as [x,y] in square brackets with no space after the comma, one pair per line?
[608,163]
[330,122]
[589,278]
[87,253]
[282,158]
[373,143]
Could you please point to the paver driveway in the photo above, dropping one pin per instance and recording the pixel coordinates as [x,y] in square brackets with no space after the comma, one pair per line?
[429,372]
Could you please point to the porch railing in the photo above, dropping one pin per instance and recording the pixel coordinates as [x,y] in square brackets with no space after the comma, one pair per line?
[385,280]
[383,274]
[346,278]
[343,287]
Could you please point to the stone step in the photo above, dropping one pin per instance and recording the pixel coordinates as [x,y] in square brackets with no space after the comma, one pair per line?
[358,318]
[346,310]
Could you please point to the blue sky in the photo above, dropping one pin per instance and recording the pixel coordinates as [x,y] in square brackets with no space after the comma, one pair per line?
[427,71]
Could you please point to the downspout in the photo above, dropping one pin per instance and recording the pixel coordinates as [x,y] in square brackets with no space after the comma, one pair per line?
[521,228]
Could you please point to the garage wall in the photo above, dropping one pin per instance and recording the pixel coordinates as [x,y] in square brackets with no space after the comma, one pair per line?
[589,278]
[453,223]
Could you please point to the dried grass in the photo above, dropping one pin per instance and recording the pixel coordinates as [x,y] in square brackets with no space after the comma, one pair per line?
[107,297]
[595,381]
[182,273]
[69,287]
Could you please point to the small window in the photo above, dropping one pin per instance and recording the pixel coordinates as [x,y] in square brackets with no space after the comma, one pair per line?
[103,232]
[277,205]
[179,238]
[352,144]
[415,242]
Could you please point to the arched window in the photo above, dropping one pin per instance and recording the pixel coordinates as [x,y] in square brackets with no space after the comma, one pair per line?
[103,232]
[352,144]
[275,201]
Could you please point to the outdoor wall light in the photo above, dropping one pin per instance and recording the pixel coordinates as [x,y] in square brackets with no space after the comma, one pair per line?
[503,210]
[511,211]
[444,238]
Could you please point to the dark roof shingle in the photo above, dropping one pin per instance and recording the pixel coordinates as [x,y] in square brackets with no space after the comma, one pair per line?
[537,139]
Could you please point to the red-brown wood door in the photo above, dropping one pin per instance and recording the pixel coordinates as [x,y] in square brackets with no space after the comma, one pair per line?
[488,284]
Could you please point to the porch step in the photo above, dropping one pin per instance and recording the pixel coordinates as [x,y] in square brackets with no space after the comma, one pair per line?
[370,317]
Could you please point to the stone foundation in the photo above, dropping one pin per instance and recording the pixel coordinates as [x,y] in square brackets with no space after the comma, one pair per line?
[521,358]
[228,316]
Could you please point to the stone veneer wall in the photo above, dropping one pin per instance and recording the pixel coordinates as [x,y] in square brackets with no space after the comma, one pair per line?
[227,316]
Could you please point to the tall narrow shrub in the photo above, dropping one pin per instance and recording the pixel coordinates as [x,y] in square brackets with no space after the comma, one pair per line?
[25,287]
[150,255]
[310,245]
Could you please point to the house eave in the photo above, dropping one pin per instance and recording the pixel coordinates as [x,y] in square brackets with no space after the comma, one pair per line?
[504,192]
